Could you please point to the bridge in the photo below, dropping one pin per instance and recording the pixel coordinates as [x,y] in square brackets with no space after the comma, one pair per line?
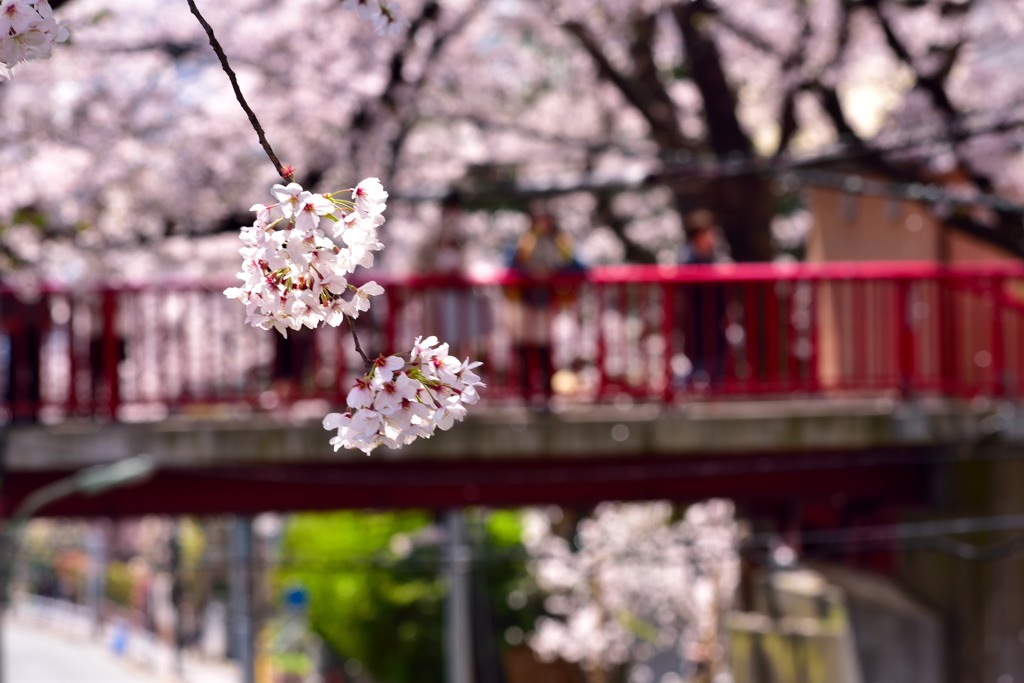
[772,384]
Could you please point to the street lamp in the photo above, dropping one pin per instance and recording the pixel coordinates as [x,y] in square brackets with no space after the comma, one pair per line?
[90,481]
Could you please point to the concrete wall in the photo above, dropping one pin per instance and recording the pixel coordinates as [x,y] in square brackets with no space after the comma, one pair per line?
[980,600]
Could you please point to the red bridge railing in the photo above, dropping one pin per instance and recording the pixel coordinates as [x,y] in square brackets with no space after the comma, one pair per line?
[628,333]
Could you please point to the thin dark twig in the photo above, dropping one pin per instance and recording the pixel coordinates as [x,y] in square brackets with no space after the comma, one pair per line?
[286,172]
[355,338]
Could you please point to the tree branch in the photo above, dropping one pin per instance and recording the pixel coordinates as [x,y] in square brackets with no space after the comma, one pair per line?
[656,108]
[788,124]
[720,104]
[748,35]
[441,39]
[355,340]
[934,84]
[285,172]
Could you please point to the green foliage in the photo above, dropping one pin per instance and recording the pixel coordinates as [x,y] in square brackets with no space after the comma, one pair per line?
[504,530]
[362,596]
[193,543]
[293,663]
[376,592]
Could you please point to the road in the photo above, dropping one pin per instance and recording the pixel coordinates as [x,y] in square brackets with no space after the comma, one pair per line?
[33,654]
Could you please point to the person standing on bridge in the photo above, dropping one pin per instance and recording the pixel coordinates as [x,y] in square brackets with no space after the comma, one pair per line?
[542,253]
[704,303]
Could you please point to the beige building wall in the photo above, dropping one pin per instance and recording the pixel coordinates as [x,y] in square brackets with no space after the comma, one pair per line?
[849,227]
[964,249]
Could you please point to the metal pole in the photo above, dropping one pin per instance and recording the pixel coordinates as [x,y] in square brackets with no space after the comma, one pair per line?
[240,588]
[174,567]
[458,633]
[6,556]
[96,543]
[6,570]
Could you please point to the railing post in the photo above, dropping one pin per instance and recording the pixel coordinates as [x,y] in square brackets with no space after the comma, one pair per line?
[111,351]
[71,400]
[813,336]
[623,345]
[999,378]
[860,332]
[600,296]
[751,324]
[773,330]
[905,335]
[948,335]
[668,323]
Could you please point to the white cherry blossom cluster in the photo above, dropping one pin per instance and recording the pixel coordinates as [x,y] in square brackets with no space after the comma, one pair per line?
[384,16]
[298,253]
[400,400]
[27,31]
[634,583]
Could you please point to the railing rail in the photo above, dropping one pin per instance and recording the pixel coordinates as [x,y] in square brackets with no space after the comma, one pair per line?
[639,333]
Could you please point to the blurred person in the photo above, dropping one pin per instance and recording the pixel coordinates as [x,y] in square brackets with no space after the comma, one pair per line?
[703,241]
[25,321]
[704,304]
[542,252]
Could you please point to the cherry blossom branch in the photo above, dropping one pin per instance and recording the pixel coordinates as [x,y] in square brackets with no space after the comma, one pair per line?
[286,172]
[355,340]
[295,274]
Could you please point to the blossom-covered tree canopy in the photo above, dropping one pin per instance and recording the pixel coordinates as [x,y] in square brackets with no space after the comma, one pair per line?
[128,144]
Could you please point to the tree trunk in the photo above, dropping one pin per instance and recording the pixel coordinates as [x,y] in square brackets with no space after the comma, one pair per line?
[596,674]
[745,206]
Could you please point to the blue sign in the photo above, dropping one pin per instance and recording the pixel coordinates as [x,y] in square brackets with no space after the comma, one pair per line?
[296,599]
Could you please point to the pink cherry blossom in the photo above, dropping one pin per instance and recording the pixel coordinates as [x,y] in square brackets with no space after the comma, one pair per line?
[27,32]
[293,270]
[370,197]
[399,400]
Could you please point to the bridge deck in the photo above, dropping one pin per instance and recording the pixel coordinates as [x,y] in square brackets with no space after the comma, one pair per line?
[763,450]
